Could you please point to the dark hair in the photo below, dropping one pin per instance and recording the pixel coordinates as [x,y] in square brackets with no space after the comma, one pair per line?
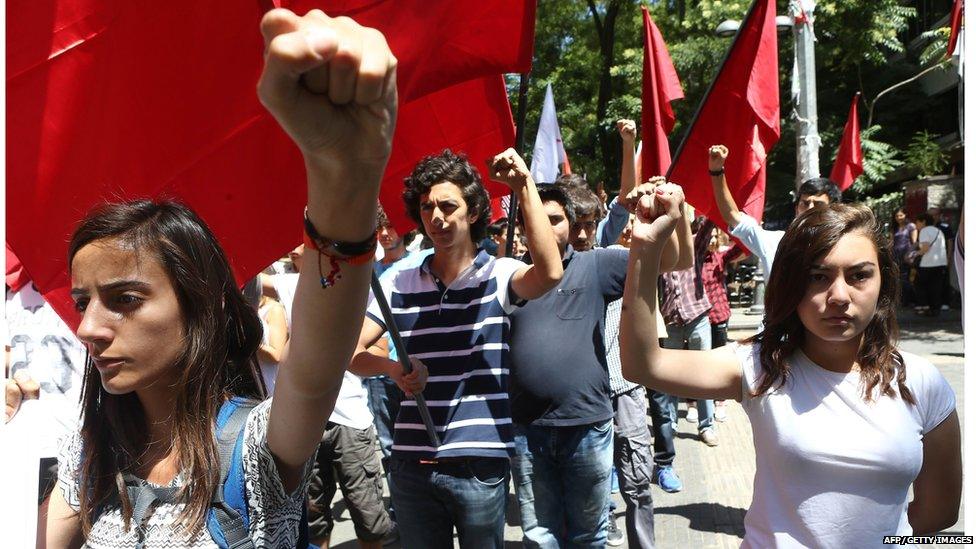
[558,194]
[810,237]
[817,186]
[583,201]
[572,180]
[217,360]
[453,168]
[498,226]
[381,219]
[926,217]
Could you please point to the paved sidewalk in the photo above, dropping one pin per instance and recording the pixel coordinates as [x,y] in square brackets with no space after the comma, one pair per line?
[709,512]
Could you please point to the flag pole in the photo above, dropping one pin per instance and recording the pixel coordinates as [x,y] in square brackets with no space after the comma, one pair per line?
[708,92]
[403,357]
[519,148]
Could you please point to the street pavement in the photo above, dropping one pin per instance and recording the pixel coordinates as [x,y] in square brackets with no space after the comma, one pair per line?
[709,511]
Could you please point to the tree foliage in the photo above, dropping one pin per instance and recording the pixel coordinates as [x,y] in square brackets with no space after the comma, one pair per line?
[860,46]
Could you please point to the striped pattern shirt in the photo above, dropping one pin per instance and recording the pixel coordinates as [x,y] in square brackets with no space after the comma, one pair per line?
[461,333]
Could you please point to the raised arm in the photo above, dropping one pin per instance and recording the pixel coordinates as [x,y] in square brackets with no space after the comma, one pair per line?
[723,197]
[331,85]
[547,266]
[711,374]
[628,166]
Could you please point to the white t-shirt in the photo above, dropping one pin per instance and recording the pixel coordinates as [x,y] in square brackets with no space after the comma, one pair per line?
[351,407]
[274,514]
[762,243]
[831,469]
[936,254]
[45,346]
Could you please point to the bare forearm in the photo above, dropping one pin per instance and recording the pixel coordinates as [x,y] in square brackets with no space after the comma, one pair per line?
[932,517]
[685,241]
[367,364]
[723,198]
[628,171]
[639,347]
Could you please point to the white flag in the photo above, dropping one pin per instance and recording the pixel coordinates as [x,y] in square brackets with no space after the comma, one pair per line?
[548,154]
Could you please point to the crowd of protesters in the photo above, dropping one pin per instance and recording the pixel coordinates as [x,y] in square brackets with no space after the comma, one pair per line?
[538,370]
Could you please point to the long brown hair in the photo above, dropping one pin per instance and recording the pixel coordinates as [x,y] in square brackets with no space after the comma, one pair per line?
[810,237]
[217,359]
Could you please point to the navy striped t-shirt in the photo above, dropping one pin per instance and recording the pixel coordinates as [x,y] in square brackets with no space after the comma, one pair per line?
[461,333]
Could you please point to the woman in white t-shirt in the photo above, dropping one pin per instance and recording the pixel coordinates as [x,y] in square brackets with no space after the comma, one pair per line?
[171,339]
[843,422]
[931,281]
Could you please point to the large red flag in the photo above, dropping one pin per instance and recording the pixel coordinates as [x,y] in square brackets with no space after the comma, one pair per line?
[118,100]
[473,118]
[955,25]
[660,87]
[850,160]
[740,111]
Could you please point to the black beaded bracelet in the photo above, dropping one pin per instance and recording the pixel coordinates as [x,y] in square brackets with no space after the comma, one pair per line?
[345,249]
[717,172]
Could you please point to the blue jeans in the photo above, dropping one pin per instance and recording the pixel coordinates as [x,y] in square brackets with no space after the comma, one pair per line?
[697,336]
[431,500]
[562,480]
[384,402]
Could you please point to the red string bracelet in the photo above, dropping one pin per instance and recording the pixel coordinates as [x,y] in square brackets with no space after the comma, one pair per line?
[354,253]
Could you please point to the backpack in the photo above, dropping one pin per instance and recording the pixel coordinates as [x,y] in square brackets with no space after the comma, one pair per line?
[227,520]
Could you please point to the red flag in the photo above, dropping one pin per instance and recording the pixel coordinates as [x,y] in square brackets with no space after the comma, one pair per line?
[955,25]
[660,87]
[740,111]
[850,160]
[118,100]
[473,118]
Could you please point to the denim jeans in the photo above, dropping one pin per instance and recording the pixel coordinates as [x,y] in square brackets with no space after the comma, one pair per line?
[384,402]
[661,407]
[696,335]
[432,500]
[562,480]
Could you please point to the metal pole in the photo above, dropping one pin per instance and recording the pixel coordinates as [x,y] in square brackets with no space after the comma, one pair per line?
[403,357]
[519,148]
[807,134]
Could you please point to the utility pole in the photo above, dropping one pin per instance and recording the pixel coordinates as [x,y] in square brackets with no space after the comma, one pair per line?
[805,92]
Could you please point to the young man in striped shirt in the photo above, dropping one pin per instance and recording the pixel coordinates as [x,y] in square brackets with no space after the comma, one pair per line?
[452,311]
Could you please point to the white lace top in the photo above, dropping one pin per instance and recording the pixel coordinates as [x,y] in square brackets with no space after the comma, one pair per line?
[274,515]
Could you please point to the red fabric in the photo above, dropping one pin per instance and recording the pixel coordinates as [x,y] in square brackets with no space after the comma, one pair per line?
[741,112]
[660,87]
[17,276]
[118,100]
[955,25]
[713,279]
[473,117]
[850,159]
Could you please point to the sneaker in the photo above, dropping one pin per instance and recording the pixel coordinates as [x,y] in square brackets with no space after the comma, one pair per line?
[721,414]
[614,536]
[667,479]
[945,307]
[708,436]
[692,414]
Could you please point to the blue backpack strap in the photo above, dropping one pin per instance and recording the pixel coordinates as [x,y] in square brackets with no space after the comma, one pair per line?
[227,520]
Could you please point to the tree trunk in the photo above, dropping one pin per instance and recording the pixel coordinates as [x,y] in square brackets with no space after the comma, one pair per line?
[605,33]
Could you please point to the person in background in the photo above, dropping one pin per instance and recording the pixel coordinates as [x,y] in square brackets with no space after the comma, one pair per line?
[930,284]
[498,234]
[904,237]
[714,254]
[389,240]
[762,242]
